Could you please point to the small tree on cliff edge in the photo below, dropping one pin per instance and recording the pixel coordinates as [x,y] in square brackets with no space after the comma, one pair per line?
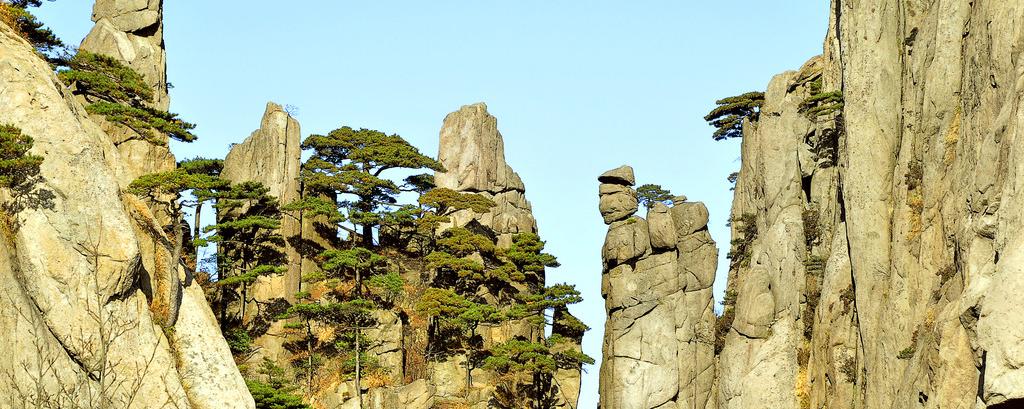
[16,15]
[122,96]
[728,116]
[649,194]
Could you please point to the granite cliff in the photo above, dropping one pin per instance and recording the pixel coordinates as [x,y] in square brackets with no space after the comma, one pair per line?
[875,258]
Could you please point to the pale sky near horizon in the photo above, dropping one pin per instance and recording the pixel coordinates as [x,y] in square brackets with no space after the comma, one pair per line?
[578,87]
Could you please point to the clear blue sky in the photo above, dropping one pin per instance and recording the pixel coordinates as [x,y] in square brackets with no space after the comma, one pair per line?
[577,87]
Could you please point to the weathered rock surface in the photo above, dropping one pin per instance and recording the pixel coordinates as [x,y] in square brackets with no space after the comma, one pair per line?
[473,153]
[132,32]
[885,271]
[271,155]
[76,296]
[659,337]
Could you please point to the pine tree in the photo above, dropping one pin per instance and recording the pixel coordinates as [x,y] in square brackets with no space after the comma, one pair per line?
[207,173]
[17,166]
[728,116]
[121,95]
[528,366]
[649,194]
[456,318]
[248,238]
[16,15]
[350,163]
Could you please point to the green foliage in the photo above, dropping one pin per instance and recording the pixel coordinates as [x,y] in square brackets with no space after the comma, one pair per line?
[729,298]
[724,322]
[202,166]
[268,397]
[316,206]
[105,77]
[649,194]
[17,166]
[733,177]
[907,353]
[388,287]
[821,103]
[247,235]
[462,242]
[16,15]
[349,162]
[421,183]
[527,254]
[146,122]
[746,233]
[239,341]
[722,325]
[445,201]
[121,95]
[728,116]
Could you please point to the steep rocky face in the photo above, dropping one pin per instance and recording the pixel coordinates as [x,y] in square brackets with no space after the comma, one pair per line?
[83,300]
[883,266]
[132,32]
[271,156]
[659,337]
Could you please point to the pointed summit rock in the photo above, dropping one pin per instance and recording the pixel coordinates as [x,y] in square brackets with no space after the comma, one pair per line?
[473,152]
[132,32]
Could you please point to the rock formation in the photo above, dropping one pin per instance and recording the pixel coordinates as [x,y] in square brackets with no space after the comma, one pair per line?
[83,316]
[899,283]
[271,156]
[877,251]
[473,152]
[658,272]
[132,32]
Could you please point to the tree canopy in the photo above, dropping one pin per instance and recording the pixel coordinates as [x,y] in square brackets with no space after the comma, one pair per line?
[16,15]
[650,194]
[17,166]
[728,116]
[350,163]
[121,95]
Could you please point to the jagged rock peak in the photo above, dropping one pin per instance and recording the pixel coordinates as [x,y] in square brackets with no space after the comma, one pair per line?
[270,155]
[132,31]
[473,152]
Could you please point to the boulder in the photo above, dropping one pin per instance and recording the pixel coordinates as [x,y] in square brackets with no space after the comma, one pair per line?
[622,175]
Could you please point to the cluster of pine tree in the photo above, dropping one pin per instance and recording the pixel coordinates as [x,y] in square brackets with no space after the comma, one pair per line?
[468,284]
[472,283]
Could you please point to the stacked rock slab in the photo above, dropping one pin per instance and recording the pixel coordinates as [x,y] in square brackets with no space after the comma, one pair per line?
[74,269]
[658,343]
[132,32]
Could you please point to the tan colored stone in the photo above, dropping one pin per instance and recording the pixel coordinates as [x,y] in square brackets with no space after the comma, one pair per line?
[622,175]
